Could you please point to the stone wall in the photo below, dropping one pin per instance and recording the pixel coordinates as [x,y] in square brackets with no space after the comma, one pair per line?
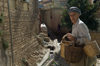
[96,36]
[3,56]
[24,27]
[97,15]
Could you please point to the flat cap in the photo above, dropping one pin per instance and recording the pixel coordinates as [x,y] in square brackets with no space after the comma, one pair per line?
[74,9]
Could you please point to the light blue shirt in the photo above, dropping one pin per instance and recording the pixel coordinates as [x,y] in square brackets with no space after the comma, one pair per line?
[80,31]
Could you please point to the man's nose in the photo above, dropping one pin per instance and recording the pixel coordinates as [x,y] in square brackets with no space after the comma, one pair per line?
[72,17]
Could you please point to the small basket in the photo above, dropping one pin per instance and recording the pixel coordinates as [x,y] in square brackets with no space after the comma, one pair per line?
[91,48]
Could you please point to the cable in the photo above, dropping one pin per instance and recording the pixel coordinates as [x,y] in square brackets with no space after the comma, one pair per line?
[10,30]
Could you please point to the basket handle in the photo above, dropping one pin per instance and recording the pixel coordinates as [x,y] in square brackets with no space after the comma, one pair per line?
[64,36]
[64,39]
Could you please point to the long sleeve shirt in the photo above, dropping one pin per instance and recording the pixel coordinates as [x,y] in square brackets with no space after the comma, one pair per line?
[80,31]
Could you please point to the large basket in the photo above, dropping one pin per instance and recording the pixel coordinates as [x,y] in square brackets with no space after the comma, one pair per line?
[63,44]
[91,48]
[69,52]
[73,54]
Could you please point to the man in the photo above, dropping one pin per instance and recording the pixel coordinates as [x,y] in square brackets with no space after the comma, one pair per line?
[79,33]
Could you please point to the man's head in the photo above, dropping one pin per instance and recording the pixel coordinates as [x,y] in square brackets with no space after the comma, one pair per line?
[74,14]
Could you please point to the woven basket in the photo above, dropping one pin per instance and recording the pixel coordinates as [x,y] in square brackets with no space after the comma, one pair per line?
[91,48]
[73,54]
[63,44]
[69,52]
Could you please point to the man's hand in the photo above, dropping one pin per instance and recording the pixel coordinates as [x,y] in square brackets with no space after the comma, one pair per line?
[70,36]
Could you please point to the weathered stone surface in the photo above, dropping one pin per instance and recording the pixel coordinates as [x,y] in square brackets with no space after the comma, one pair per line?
[24,26]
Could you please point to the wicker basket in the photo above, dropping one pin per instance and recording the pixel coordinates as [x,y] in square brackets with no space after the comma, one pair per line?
[73,54]
[91,48]
[63,44]
[69,52]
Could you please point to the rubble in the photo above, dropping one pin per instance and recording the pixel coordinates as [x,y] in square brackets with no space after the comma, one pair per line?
[48,45]
[44,59]
[43,39]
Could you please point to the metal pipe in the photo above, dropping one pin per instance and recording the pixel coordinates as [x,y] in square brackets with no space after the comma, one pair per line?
[10,30]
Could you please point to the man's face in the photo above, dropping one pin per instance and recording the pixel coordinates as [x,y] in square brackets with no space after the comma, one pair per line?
[74,17]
